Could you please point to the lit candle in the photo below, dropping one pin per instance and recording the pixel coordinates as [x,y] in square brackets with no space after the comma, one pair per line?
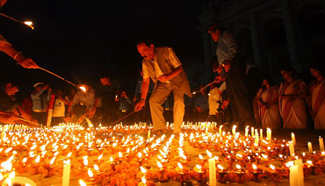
[220,130]
[234,130]
[212,172]
[256,139]
[268,134]
[293,138]
[291,149]
[321,144]
[261,133]
[310,147]
[149,133]
[66,173]
[296,174]
[252,132]
[246,130]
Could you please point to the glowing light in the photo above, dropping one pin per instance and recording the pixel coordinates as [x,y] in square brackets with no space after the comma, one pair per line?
[143,180]
[29,24]
[272,167]
[290,164]
[159,165]
[143,170]
[220,167]
[90,173]
[82,183]
[96,167]
[83,88]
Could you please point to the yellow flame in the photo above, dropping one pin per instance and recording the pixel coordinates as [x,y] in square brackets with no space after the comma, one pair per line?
[82,183]
[309,162]
[272,167]
[143,170]
[83,88]
[180,165]
[90,173]
[144,180]
[209,153]
[254,166]
[289,164]
[100,157]
[96,167]
[52,160]
[159,165]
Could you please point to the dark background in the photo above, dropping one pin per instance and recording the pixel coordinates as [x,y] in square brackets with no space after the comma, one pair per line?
[82,39]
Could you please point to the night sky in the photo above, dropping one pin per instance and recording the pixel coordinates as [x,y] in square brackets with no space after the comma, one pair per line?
[81,39]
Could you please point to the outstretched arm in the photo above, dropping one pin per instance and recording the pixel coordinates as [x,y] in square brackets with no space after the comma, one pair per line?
[8,49]
[144,92]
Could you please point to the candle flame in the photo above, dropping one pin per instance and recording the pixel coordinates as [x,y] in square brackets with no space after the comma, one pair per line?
[96,167]
[52,160]
[209,153]
[238,166]
[289,164]
[100,157]
[82,183]
[159,165]
[198,167]
[143,180]
[220,167]
[85,160]
[309,162]
[272,167]
[90,173]
[83,88]
[143,170]
[254,166]
[180,165]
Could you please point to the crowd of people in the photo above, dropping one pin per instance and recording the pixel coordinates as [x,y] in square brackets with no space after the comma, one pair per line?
[292,103]
[101,103]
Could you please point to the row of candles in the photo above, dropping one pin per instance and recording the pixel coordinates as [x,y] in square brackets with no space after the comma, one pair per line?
[131,155]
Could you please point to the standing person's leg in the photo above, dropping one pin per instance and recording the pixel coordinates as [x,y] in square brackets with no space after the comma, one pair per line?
[213,103]
[179,109]
[157,98]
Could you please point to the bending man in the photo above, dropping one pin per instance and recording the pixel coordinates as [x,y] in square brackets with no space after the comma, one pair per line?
[164,68]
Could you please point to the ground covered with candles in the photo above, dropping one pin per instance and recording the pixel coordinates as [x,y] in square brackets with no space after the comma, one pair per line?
[202,154]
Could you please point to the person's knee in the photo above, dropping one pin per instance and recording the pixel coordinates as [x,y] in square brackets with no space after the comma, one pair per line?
[179,103]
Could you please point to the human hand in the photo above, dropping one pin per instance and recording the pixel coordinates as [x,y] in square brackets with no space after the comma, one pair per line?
[28,63]
[225,104]
[163,78]
[139,106]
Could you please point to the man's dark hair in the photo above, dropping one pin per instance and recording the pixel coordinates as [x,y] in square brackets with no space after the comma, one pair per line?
[216,27]
[318,66]
[147,42]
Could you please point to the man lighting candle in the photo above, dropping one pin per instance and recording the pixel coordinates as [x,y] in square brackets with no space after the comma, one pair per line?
[165,69]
